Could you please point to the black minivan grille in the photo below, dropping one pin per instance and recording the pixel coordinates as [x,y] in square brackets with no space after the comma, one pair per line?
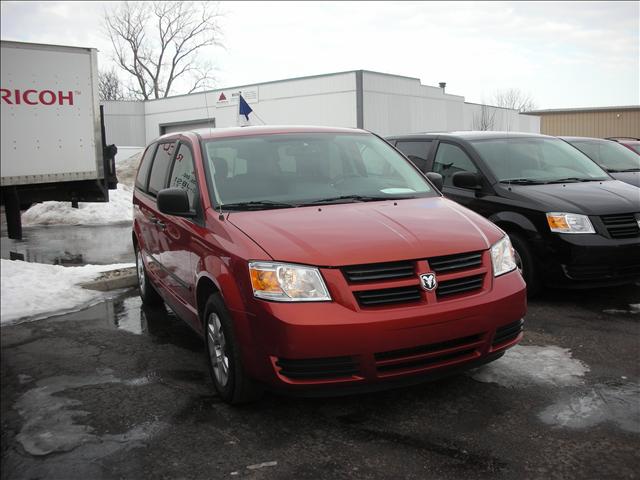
[455,262]
[459,285]
[378,271]
[386,296]
[621,226]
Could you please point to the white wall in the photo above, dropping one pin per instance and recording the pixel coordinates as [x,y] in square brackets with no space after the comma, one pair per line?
[124,123]
[396,105]
[503,119]
[392,105]
[323,100]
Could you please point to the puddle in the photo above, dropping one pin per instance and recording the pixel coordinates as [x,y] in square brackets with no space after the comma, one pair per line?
[51,420]
[524,366]
[619,404]
[72,245]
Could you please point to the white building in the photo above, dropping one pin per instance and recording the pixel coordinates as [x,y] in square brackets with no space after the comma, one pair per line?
[382,103]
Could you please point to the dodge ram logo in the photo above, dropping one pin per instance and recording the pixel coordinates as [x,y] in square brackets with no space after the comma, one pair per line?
[428,281]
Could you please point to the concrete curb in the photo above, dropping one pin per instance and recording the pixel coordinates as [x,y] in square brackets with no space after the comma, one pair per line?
[113,280]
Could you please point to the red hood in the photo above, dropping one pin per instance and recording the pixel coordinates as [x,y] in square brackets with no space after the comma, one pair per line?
[356,233]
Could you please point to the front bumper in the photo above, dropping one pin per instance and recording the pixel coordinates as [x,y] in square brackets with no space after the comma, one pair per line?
[587,261]
[315,346]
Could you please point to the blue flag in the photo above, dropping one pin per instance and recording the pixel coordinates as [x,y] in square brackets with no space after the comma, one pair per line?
[245,109]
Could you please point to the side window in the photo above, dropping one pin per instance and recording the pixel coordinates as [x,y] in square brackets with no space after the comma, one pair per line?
[451,159]
[183,174]
[159,170]
[143,171]
[416,152]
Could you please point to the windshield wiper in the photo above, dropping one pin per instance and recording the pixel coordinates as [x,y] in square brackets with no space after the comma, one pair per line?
[575,179]
[354,198]
[612,170]
[256,205]
[522,181]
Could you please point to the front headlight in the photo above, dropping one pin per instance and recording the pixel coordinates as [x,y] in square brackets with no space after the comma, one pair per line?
[286,282]
[569,223]
[502,257]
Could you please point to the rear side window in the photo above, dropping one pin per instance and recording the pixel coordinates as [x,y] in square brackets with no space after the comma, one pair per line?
[143,171]
[451,159]
[183,174]
[160,168]
[416,152]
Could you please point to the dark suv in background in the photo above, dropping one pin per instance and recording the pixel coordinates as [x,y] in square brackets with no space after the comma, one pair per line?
[569,221]
[621,163]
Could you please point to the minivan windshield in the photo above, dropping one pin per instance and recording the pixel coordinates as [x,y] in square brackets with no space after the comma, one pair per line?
[609,155]
[290,170]
[534,160]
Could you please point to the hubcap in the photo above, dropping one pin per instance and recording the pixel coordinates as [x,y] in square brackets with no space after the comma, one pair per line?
[140,272]
[217,349]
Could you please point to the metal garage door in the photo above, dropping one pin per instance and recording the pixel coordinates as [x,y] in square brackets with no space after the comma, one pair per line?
[191,125]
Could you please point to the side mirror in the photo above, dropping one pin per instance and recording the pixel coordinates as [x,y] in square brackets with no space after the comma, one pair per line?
[174,201]
[470,180]
[436,179]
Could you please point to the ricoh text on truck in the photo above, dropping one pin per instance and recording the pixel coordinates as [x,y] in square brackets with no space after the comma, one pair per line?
[53,139]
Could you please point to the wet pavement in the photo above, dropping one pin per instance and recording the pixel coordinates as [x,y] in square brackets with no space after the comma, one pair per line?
[72,244]
[122,391]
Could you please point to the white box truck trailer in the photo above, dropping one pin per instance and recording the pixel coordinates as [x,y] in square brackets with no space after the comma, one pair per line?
[52,140]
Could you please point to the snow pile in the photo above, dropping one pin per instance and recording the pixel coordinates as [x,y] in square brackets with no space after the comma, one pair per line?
[36,290]
[118,209]
[531,365]
[127,169]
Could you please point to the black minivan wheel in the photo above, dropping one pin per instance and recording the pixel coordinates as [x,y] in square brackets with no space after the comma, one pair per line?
[223,356]
[148,293]
[526,264]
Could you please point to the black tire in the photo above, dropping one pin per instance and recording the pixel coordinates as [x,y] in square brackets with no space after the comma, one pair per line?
[223,356]
[148,293]
[526,263]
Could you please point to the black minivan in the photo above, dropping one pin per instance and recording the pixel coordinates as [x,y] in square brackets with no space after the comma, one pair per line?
[571,224]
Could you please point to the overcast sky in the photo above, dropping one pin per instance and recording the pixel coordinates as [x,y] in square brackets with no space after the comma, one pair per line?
[573,54]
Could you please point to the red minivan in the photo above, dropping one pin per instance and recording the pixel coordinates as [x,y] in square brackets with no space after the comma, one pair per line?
[319,260]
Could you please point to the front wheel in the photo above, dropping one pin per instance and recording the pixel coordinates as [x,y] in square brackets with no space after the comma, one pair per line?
[148,293]
[525,263]
[223,355]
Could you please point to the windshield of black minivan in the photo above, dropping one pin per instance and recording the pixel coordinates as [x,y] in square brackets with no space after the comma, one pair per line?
[609,155]
[530,160]
[290,170]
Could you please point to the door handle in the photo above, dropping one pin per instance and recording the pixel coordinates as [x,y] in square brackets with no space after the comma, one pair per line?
[159,223]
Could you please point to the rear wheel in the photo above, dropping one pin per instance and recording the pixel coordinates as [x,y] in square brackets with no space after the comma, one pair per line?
[223,355]
[148,293]
[525,263]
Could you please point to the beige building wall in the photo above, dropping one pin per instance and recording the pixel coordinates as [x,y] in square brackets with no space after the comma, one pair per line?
[598,123]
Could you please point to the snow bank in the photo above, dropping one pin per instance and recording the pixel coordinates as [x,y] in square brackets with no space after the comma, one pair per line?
[531,365]
[127,169]
[118,209]
[36,290]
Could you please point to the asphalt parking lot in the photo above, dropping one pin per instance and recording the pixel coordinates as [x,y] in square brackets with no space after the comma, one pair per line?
[121,391]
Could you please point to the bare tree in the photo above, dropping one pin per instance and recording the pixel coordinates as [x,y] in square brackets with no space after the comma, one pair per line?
[515,99]
[485,119]
[157,44]
[109,85]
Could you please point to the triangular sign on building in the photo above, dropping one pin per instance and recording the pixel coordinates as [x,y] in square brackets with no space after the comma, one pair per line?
[222,97]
